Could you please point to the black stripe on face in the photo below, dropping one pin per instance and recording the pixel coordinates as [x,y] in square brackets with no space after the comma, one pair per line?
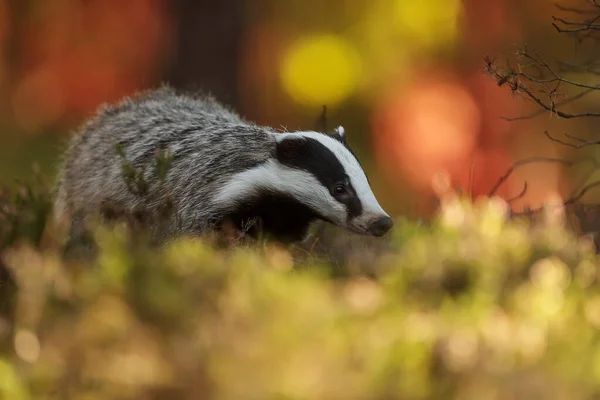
[310,155]
[342,140]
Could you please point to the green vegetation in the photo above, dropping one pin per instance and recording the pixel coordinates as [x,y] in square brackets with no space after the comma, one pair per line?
[471,306]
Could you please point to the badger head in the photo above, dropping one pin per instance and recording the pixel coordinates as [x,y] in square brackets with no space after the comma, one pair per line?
[319,173]
[328,177]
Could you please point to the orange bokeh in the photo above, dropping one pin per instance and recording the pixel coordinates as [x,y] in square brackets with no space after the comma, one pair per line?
[428,128]
[77,55]
[449,119]
[443,123]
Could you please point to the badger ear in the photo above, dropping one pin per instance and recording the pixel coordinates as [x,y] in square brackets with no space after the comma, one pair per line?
[340,134]
[289,149]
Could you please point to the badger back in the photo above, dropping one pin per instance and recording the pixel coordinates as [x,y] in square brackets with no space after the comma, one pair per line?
[207,143]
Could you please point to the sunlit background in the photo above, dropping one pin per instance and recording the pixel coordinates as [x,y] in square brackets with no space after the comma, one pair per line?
[405,78]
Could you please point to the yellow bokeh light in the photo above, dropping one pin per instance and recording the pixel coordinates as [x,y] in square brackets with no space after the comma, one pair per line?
[428,21]
[321,70]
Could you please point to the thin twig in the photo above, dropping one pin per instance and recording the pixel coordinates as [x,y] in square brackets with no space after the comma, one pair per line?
[519,196]
[527,161]
[559,104]
[575,146]
[582,192]
[573,9]
[552,108]
[322,120]
[471,177]
[581,26]
[538,60]
[584,179]
[588,66]
[512,78]
[575,138]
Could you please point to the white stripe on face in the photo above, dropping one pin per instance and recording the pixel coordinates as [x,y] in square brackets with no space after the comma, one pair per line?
[357,176]
[298,184]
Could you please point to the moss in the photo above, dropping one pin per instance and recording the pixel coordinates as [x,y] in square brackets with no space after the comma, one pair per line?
[473,305]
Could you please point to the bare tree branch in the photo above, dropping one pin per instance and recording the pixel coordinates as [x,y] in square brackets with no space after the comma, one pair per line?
[582,192]
[471,177]
[573,9]
[570,201]
[535,79]
[519,196]
[578,26]
[514,79]
[559,104]
[527,161]
[542,81]
[538,60]
[582,143]
[587,66]
[574,138]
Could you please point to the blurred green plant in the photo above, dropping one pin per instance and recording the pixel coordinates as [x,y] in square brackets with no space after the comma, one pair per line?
[473,306]
[155,201]
[24,211]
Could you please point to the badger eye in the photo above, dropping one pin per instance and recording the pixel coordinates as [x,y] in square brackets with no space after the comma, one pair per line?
[339,189]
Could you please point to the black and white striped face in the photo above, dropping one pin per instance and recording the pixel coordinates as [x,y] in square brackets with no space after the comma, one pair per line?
[318,172]
[322,172]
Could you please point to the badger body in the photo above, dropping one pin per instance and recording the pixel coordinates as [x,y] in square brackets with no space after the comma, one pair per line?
[224,169]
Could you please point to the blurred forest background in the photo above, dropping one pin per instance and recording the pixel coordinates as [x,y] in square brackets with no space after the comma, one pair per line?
[473,306]
[405,78]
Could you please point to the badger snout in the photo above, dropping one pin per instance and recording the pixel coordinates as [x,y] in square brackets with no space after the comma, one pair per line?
[380,226]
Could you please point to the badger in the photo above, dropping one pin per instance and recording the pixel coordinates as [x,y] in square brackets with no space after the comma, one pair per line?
[223,169]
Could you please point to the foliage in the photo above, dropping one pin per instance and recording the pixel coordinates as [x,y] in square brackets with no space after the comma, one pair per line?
[473,306]
[24,212]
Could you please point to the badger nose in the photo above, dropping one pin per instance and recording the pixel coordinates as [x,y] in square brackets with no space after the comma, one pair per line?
[381,226]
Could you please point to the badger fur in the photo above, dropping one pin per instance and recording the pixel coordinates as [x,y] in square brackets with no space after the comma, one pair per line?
[223,169]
